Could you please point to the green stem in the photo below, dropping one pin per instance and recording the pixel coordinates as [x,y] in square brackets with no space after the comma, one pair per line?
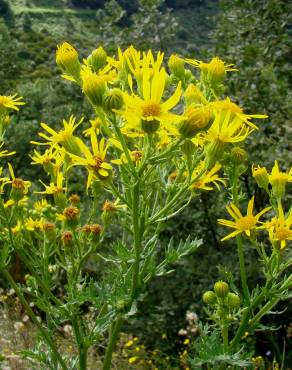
[46,336]
[137,239]
[225,336]
[242,268]
[114,335]
[82,349]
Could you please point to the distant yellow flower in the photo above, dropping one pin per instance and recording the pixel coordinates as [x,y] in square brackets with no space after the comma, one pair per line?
[52,159]
[63,137]
[280,228]
[54,187]
[10,102]
[19,187]
[132,360]
[242,224]
[41,205]
[149,113]
[207,177]
[5,153]
[279,179]
[95,127]
[32,225]
[94,161]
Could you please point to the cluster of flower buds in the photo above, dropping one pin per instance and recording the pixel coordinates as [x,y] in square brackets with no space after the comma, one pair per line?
[222,299]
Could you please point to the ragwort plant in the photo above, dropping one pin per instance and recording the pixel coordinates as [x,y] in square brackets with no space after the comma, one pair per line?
[159,136]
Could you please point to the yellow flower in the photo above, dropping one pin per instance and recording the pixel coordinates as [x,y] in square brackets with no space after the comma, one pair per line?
[242,224]
[223,132]
[280,228]
[227,131]
[214,71]
[279,179]
[94,161]
[21,203]
[17,228]
[132,360]
[41,205]
[148,113]
[19,187]
[5,153]
[10,102]
[207,177]
[52,159]
[32,225]
[63,137]
[54,188]
[95,127]
[228,106]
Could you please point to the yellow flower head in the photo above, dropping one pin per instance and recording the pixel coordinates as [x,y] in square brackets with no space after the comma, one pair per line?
[280,228]
[279,179]
[95,127]
[94,161]
[10,102]
[63,137]
[148,113]
[228,106]
[204,180]
[242,224]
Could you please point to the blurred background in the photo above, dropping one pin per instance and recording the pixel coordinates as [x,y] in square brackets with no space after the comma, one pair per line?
[254,35]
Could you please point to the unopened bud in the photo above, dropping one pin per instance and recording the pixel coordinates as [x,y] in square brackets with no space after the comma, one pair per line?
[221,289]
[238,155]
[197,119]
[233,301]
[261,176]
[113,100]
[176,66]
[93,87]
[67,60]
[97,59]
[209,297]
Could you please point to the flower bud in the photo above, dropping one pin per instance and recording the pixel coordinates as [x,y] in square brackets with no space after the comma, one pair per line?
[67,238]
[216,71]
[93,87]
[113,100]
[221,289]
[71,215]
[233,301]
[67,60]
[209,297]
[188,147]
[194,95]
[261,176]
[150,126]
[19,189]
[238,155]
[197,119]
[176,66]
[49,230]
[74,199]
[97,59]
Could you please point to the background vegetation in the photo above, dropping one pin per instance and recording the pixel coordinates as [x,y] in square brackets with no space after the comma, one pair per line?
[255,35]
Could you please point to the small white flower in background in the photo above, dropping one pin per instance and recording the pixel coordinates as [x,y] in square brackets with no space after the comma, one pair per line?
[18,326]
